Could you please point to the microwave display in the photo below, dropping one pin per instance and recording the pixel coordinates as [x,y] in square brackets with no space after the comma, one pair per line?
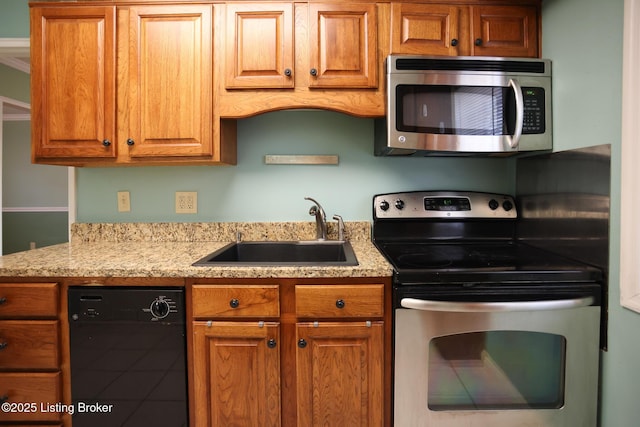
[467,110]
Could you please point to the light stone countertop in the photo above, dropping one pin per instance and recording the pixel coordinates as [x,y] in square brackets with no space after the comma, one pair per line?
[169,249]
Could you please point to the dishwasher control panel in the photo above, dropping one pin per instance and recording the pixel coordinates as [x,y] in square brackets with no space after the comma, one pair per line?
[87,303]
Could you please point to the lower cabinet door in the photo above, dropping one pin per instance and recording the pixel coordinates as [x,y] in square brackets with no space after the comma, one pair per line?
[340,374]
[236,370]
[30,396]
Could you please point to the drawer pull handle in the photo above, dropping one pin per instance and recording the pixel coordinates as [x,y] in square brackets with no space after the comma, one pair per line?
[271,343]
[340,304]
[4,398]
[3,345]
[302,343]
[234,303]
[3,300]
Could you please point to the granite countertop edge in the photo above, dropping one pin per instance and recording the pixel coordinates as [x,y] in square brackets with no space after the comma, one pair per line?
[90,256]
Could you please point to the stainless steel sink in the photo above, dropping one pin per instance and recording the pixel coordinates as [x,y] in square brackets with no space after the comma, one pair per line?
[294,253]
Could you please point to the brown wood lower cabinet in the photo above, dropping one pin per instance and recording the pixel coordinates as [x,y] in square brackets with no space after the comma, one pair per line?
[299,353]
[237,381]
[340,374]
[30,376]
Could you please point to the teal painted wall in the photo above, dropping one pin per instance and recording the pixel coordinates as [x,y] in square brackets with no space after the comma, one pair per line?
[254,191]
[14,18]
[19,229]
[14,84]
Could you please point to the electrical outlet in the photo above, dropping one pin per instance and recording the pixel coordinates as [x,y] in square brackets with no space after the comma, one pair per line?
[186,202]
[124,201]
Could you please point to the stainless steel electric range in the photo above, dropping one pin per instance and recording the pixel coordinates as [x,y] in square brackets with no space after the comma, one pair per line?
[487,330]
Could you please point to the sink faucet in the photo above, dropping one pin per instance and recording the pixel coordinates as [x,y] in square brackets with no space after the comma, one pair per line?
[321,219]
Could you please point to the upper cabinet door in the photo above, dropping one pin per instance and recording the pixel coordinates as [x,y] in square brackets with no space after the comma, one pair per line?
[259,45]
[170,84]
[343,45]
[72,84]
[425,29]
[504,31]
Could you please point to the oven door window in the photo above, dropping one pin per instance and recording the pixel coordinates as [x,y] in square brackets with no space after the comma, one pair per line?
[455,110]
[496,370]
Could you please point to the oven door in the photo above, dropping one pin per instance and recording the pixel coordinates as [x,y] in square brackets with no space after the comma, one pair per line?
[498,364]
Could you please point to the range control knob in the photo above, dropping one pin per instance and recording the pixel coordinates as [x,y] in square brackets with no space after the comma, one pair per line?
[160,308]
[399,204]
[493,204]
[507,205]
[384,205]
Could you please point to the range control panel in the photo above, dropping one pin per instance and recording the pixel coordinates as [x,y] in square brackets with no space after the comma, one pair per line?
[443,205]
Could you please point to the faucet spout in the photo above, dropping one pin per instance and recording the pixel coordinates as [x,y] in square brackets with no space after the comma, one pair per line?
[321,219]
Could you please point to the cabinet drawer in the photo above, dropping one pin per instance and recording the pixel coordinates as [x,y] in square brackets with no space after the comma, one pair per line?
[30,387]
[28,300]
[236,301]
[340,300]
[29,344]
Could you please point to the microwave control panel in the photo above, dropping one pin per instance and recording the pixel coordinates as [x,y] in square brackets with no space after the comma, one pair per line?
[534,112]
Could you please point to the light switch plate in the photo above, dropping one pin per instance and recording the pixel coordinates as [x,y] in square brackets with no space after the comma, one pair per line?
[186,202]
[124,201]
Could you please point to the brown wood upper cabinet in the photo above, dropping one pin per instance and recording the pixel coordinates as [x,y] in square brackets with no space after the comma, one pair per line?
[335,45]
[447,29]
[73,94]
[122,84]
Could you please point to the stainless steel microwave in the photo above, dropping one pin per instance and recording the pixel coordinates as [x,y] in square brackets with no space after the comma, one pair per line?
[465,106]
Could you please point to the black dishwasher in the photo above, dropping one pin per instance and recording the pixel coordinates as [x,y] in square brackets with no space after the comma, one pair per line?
[128,365]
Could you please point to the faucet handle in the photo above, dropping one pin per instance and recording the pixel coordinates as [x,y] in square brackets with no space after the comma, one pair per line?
[315,209]
[340,227]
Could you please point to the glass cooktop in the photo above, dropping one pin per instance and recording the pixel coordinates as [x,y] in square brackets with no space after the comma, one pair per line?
[481,261]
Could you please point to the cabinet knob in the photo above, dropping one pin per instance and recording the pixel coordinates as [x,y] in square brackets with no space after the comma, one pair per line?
[3,345]
[340,303]
[478,42]
[271,343]
[4,398]
[287,72]
[106,142]
[234,303]
[130,142]
[454,42]
[313,72]
[302,343]
[3,300]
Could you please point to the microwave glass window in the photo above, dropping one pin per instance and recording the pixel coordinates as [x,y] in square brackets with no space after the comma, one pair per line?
[496,370]
[455,110]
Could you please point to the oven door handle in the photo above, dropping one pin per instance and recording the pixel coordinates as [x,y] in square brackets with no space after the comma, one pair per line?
[483,307]
[514,140]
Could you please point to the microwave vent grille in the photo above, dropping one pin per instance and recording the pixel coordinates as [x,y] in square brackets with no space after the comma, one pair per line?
[431,64]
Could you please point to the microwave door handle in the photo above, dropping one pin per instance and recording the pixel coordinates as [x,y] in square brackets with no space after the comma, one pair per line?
[485,307]
[515,139]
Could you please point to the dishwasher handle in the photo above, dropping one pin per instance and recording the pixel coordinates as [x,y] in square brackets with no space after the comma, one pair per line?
[486,307]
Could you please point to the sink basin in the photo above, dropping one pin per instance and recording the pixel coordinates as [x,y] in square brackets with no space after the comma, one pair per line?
[297,253]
